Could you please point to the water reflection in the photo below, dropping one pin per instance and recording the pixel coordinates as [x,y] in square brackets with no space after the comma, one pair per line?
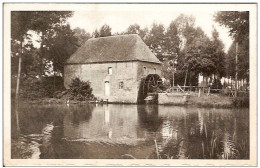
[130,131]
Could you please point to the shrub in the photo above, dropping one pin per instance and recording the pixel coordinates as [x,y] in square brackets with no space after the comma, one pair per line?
[80,90]
[241,101]
[35,88]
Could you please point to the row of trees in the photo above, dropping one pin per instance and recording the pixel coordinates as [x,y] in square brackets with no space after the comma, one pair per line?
[183,48]
[238,25]
[189,49]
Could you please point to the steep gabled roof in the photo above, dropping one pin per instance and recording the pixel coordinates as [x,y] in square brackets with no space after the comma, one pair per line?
[112,49]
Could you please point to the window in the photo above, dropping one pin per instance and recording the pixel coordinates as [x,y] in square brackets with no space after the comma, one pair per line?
[145,70]
[154,70]
[121,85]
[109,70]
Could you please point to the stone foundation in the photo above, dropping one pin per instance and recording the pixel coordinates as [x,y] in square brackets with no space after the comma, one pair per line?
[172,98]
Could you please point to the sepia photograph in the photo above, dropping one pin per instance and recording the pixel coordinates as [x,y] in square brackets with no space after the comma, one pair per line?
[130,84]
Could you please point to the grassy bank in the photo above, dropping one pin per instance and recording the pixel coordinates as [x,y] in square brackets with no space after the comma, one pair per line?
[218,101]
[213,100]
[51,101]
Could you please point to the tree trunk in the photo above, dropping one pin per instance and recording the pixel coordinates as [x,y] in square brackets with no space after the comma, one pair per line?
[189,78]
[18,85]
[173,78]
[42,55]
[236,70]
[54,79]
[18,76]
[243,84]
[185,78]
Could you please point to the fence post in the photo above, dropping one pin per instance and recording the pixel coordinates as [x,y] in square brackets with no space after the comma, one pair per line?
[208,91]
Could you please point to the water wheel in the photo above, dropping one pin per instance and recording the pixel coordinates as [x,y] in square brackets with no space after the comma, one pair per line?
[149,84]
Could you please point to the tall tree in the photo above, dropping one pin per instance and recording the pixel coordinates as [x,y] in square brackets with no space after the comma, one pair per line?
[243,61]
[20,25]
[156,40]
[172,40]
[96,33]
[204,55]
[238,24]
[60,44]
[81,35]
[136,29]
[43,23]
[185,25]
[230,61]
[104,31]
[172,48]
[217,54]
[236,21]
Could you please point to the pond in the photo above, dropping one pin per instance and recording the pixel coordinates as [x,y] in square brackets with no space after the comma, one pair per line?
[129,132]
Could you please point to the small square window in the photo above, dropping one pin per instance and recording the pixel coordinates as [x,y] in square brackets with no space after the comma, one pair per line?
[109,70]
[145,70]
[121,85]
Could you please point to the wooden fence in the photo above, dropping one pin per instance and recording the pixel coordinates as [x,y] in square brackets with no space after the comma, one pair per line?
[208,90]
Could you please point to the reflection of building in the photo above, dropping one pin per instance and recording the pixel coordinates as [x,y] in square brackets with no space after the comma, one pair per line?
[148,118]
[107,115]
[113,123]
[106,123]
[114,65]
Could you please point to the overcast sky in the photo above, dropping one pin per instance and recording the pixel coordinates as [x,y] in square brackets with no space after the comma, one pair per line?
[119,18]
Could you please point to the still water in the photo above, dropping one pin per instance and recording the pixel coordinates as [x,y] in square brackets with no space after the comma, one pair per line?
[129,132]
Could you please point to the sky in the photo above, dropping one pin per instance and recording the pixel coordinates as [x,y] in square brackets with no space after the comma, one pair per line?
[119,18]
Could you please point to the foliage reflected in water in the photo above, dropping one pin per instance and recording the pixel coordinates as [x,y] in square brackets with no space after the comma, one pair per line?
[130,132]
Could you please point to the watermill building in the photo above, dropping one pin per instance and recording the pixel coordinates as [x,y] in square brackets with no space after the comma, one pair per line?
[114,65]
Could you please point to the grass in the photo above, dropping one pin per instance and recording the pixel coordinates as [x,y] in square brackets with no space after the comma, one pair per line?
[213,100]
[242,101]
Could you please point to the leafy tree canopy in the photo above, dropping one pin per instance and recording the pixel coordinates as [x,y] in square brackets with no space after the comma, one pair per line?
[81,35]
[236,21]
[136,29]
[104,31]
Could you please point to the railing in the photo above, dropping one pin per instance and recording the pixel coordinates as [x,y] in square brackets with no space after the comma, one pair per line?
[202,89]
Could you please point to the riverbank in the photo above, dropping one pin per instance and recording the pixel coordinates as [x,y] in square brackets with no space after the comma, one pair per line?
[210,101]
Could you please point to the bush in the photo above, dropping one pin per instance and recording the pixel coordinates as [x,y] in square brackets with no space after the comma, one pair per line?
[80,90]
[35,88]
[241,101]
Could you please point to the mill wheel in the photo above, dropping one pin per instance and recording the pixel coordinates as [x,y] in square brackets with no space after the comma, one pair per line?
[149,84]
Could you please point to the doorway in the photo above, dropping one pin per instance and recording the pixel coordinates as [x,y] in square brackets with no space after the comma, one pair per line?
[107,88]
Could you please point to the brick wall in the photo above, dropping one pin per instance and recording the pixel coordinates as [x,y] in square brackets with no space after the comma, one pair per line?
[128,73]
[97,74]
